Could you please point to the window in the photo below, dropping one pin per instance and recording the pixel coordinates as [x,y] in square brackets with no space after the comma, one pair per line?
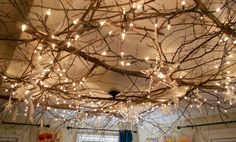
[96,138]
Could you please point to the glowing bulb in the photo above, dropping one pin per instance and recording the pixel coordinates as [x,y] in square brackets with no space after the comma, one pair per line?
[102,23]
[218,9]
[23,27]
[228,62]
[226,38]
[53,46]
[161,75]
[104,53]
[139,6]
[75,21]
[76,37]
[123,35]
[128,64]
[40,47]
[122,53]
[122,63]
[110,33]
[40,57]
[156,25]
[234,41]
[131,24]
[48,12]
[53,36]
[68,43]
[183,2]
[146,58]
[168,26]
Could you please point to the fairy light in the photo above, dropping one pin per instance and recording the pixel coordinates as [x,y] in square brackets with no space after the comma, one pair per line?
[68,43]
[226,38]
[49,12]
[76,37]
[122,63]
[168,26]
[53,46]
[139,6]
[104,53]
[183,4]
[127,64]
[52,36]
[218,9]
[123,35]
[40,57]
[228,63]
[234,41]
[110,33]
[102,23]
[122,53]
[75,21]
[23,27]
[161,75]
[155,25]
[131,24]
[147,58]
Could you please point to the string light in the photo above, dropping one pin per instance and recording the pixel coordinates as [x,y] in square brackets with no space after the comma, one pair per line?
[146,58]
[48,12]
[76,37]
[68,43]
[123,35]
[23,27]
[102,23]
[218,9]
[168,26]
[75,21]
[104,53]
[122,63]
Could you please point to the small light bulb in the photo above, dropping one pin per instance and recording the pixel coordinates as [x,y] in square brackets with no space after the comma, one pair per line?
[146,58]
[122,63]
[155,25]
[183,2]
[104,53]
[128,64]
[53,45]
[75,21]
[168,26]
[23,27]
[122,53]
[110,33]
[102,23]
[226,38]
[68,43]
[234,41]
[48,12]
[218,9]
[131,24]
[76,37]
[123,35]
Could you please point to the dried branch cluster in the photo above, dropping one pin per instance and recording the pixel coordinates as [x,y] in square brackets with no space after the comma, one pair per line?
[64,49]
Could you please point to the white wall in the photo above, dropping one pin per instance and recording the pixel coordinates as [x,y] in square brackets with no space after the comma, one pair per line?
[200,134]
